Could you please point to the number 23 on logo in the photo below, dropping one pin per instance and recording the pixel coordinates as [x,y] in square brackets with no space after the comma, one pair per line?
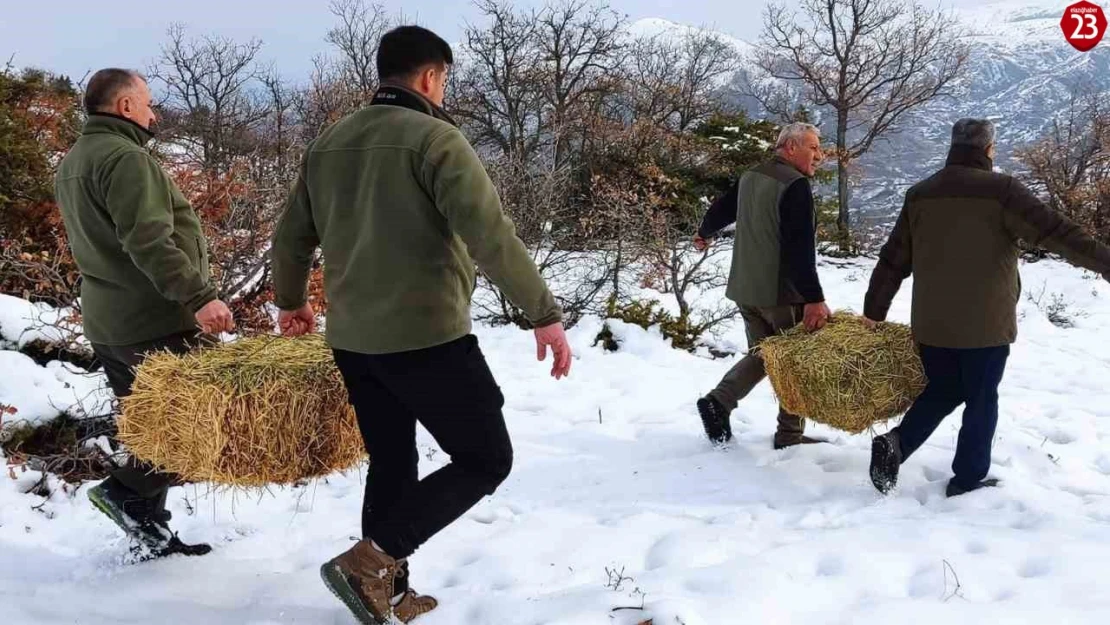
[1084,24]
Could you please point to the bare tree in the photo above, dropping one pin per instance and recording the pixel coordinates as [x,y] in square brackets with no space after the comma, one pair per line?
[705,62]
[231,140]
[680,270]
[530,76]
[356,37]
[281,148]
[645,183]
[540,203]
[678,82]
[869,61]
[1070,165]
[496,94]
[324,100]
[580,48]
[346,79]
[211,108]
[652,78]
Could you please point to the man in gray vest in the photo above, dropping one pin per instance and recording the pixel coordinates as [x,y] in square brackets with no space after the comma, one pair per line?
[774,269]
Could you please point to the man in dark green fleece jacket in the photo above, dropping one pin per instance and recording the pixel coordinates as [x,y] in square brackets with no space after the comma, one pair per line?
[144,274]
[402,209]
[958,235]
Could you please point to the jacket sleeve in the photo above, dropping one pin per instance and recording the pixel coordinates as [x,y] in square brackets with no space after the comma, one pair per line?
[138,198]
[894,266]
[1028,219]
[294,242]
[799,234]
[462,191]
[721,213]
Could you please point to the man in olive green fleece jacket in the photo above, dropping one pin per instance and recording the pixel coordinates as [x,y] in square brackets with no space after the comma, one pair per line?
[144,274]
[958,235]
[402,209]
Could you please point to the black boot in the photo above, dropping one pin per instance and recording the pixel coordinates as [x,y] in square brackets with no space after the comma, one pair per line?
[955,490]
[715,420]
[144,520]
[886,458]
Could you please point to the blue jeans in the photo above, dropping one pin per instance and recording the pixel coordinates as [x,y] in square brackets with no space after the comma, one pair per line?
[958,376]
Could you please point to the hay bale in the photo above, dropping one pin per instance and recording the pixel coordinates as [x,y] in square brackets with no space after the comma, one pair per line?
[845,375]
[262,410]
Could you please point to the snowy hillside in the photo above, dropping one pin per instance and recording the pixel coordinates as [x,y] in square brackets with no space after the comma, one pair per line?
[656,27]
[617,500]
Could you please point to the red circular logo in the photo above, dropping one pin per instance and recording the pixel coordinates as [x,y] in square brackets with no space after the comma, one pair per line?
[1083,24]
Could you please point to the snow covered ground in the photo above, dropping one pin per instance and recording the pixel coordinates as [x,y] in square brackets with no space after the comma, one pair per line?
[617,500]
[42,393]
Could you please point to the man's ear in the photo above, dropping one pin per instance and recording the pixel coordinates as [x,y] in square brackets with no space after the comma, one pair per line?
[428,79]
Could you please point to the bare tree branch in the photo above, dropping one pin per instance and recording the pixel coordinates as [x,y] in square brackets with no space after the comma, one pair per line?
[869,61]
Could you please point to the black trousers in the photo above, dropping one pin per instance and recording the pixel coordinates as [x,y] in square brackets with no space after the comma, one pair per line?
[450,390]
[958,376]
[119,362]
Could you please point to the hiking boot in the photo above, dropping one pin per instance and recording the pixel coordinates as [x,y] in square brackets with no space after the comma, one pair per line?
[413,605]
[783,443]
[886,458]
[410,604]
[955,490]
[144,520]
[715,420]
[362,578]
[141,553]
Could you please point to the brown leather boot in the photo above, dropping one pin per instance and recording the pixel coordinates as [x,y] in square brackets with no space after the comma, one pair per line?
[412,603]
[362,578]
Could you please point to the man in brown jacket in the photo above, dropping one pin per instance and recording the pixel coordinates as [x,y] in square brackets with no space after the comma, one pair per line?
[958,234]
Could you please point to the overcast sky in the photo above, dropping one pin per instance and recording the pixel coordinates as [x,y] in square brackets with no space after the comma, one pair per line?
[74,37]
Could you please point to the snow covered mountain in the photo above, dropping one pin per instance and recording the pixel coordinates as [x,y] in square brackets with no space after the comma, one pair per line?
[1022,72]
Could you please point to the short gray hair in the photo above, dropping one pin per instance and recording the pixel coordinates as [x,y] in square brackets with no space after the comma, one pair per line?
[106,85]
[977,133]
[794,132]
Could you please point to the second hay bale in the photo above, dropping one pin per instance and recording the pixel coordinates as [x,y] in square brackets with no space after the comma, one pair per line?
[845,376]
[258,411]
